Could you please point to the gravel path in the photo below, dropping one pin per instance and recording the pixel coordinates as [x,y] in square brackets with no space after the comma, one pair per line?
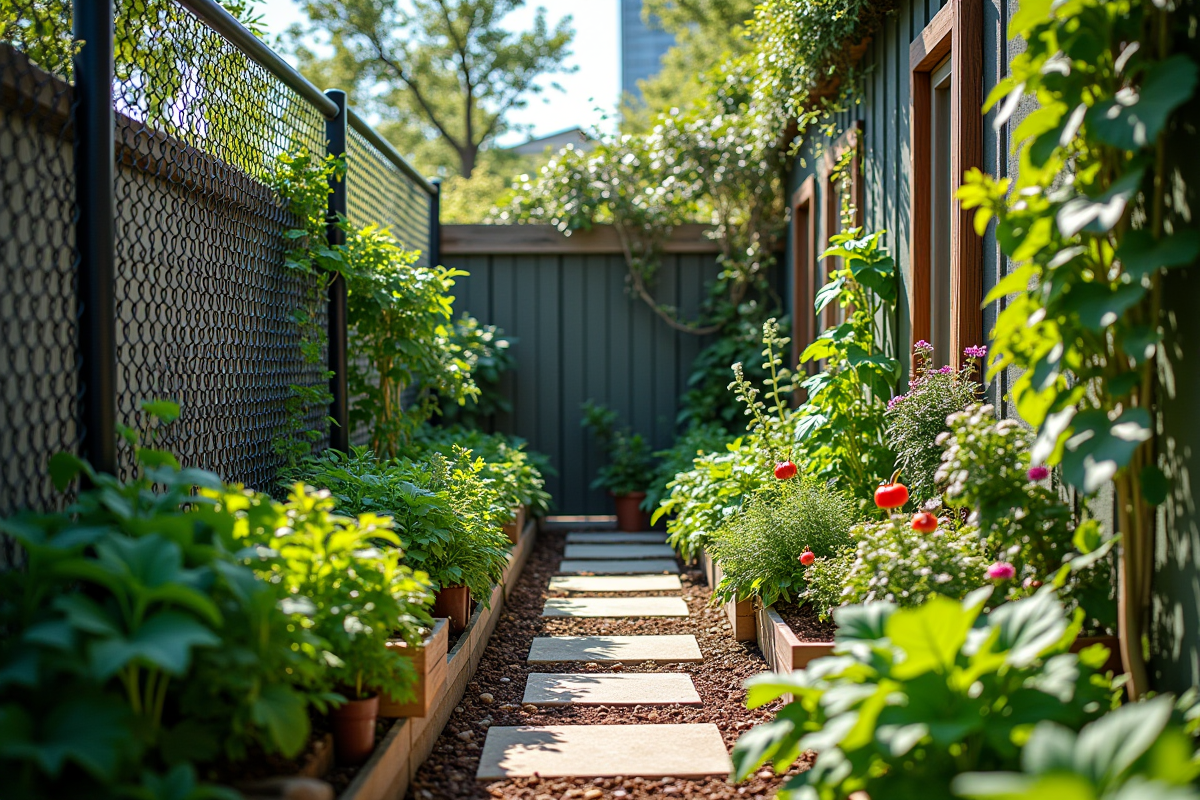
[494,696]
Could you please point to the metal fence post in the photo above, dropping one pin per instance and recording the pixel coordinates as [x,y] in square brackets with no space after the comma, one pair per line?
[435,223]
[95,230]
[339,409]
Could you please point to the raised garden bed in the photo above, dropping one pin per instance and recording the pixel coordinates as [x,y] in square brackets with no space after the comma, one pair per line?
[430,662]
[739,613]
[409,741]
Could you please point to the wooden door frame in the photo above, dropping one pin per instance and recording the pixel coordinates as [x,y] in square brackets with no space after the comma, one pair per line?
[955,31]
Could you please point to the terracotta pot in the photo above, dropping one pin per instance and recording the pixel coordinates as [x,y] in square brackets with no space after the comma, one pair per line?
[354,730]
[630,518]
[453,603]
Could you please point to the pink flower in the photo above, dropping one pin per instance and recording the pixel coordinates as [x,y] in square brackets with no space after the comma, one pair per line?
[946,370]
[975,352]
[922,345]
[1038,473]
[1001,571]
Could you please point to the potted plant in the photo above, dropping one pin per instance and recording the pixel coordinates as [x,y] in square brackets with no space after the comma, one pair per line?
[630,467]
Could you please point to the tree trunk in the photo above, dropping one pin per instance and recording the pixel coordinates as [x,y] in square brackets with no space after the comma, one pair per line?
[467,156]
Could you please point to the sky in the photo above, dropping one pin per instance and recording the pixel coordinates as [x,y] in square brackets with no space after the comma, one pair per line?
[596,53]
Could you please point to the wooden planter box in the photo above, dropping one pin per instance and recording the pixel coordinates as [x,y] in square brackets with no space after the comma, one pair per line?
[739,612]
[516,528]
[396,759]
[779,644]
[429,659]
[707,564]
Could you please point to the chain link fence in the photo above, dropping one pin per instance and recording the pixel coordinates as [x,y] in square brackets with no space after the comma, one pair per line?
[205,305]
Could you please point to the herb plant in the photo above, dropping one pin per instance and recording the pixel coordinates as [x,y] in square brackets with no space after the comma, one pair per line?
[630,466]
[509,469]
[759,548]
[487,353]
[915,420]
[916,696]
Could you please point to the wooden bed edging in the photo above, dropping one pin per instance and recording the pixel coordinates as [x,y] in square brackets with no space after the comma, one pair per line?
[398,756]
[779,644]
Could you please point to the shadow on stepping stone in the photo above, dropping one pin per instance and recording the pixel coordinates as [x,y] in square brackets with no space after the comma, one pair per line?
[606,537]
[615,583]
[646,566]
[611,689]
[611,552]
[603,751]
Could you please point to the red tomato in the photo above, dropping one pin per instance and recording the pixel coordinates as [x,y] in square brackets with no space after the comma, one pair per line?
[924,522]
[785,470]
[807,557]
[891,494]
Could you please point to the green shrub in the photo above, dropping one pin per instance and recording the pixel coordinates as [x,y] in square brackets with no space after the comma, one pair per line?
[448,519]
[892,562]
[915,420]
[630,466]
[759,548]
[515,473]
[916,696]
[485,351]
[697,441]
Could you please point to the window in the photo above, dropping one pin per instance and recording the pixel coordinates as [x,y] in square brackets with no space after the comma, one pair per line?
[804,268]
[947,140]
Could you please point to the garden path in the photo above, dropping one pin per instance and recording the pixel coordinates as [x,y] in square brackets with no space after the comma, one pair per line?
[607,564]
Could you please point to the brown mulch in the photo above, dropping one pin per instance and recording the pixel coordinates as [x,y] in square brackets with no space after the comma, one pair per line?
[449,773]
[804,622]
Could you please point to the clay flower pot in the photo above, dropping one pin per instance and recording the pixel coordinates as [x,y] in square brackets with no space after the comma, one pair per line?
[630,518]
[453,603]
[354,730]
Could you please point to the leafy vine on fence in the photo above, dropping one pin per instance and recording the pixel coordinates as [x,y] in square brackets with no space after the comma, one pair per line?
[1089,225]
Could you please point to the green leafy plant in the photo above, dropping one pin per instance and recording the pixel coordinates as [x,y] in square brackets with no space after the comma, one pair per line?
[841,425]
[138,643]
[696,441]
[515,473]
[759,547]
[356,592]
[1138,750]
[487,354]
[915,696]
[1090,225]
[447,518]
[915,420]
[398,314]
[630,466]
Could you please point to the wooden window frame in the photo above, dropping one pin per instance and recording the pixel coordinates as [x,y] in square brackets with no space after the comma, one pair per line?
[955,32]
[804,267]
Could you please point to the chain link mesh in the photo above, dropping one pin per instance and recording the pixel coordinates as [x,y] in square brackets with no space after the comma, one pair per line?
[378,193]
[205,305]
[39,361]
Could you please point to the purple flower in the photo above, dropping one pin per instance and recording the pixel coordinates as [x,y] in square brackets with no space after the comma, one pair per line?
[922,345]
[895,401]
[1038,473]
[946,370]
[1001,571]
[975,352]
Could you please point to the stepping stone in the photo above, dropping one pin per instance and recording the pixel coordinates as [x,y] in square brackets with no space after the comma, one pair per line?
[625,649]
[615,689]
[615,607]
[622,551]
[615,583]
[609,537]
[603,751]
[646,566]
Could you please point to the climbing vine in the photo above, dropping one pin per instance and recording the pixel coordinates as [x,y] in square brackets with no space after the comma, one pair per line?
[1089,226]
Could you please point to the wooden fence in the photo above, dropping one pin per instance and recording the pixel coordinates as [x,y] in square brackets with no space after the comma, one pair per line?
[581,335]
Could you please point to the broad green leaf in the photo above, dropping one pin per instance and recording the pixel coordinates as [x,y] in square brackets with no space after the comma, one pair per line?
[64,468]
[1134,118]
[760,743]
[1111,745]
[1100,214]
[867,622]
[1155,486]
[165,641]
[1141,254]
[929,635]
[163,410]
[281,711]
[1100,306]
[1015,786]
[88,730]
[1087,536]
[1100,447]
[1028,627]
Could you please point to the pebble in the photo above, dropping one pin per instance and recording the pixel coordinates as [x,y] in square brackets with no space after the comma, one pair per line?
[486,698]
[618,667]
[506,680]
[592,794]
[466,736]
[529,708]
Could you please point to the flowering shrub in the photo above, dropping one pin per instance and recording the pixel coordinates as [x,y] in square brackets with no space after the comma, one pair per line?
[890,561]
[915,419]
[759,548]
[1022,520]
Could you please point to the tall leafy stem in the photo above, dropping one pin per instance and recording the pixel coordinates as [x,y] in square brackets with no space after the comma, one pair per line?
[1087,226]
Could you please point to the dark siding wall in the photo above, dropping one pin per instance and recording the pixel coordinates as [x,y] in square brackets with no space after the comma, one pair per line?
[581,336]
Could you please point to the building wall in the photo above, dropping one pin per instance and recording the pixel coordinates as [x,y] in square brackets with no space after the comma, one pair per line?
[642,47]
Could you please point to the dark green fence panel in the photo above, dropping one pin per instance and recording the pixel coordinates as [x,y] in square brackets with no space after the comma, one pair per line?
[580,335]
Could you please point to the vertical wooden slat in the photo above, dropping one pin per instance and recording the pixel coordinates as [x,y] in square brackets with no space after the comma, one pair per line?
[576,313]
[544,274]
[967,122]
